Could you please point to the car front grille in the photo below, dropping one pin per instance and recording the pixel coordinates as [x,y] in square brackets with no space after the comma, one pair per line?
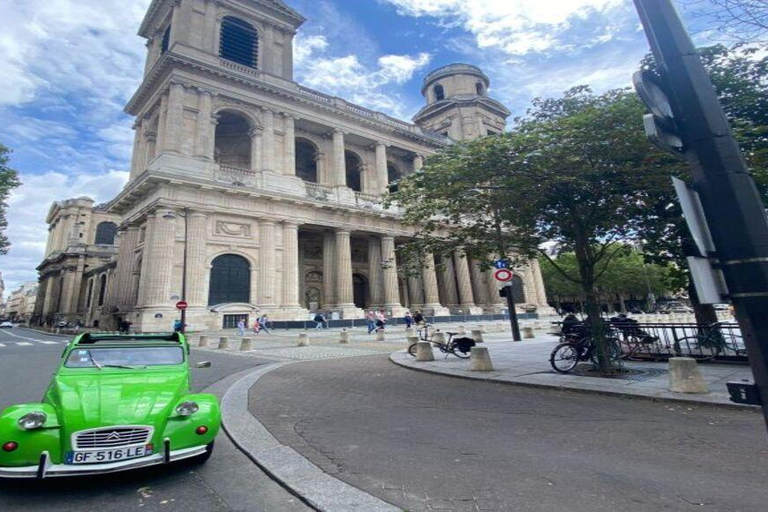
[111,437]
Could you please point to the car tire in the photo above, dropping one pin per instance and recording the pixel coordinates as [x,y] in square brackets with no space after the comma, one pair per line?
[202,459]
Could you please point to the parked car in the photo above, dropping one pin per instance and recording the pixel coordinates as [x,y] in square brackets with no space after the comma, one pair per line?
[117,402]
[6,325]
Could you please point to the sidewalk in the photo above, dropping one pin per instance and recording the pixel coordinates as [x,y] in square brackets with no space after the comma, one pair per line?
[527,363]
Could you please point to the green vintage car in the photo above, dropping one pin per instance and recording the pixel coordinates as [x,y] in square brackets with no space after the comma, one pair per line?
[117,402]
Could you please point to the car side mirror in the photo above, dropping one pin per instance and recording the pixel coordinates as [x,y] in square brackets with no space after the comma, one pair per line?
[203,364]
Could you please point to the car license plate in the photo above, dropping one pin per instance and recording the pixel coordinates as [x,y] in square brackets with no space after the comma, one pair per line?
[102,456]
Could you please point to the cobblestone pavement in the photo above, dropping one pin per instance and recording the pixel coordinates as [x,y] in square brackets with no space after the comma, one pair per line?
[428,442]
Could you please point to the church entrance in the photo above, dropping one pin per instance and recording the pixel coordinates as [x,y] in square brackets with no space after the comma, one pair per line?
[360,290]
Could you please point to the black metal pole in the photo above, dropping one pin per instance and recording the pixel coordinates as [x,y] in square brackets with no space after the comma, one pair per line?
[731,202]
[513,314]
[184,272]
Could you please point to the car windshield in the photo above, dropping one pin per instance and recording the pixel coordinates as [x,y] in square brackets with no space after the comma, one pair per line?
[124,357]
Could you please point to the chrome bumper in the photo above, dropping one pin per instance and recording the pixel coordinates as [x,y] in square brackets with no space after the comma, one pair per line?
[48,470]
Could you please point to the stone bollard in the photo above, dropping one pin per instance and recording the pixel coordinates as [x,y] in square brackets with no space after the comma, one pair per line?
[303,340]
[480,360]
[462,329]
[344,337]
[438,337]
[477,335]
[481,328]
[685,377]
[424,352]
[412,340]
[223,343]
[381,336]
[528,333]
[246,345]
[203,342]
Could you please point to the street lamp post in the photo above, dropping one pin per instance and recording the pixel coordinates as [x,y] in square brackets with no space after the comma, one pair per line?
[185,216]
[731,203]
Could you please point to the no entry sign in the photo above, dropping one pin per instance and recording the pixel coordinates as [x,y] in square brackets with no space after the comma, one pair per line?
[503,275]
[181,305]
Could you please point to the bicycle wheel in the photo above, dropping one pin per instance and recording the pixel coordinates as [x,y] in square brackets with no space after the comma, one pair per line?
[613,351]
[453,349]
[412,349]
[692,344]
[564,358]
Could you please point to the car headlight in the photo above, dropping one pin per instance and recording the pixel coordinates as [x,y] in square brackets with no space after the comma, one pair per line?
[187,408]
[33,420]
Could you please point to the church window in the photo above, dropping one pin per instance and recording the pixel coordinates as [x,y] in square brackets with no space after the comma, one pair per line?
[239,42]
[102,289]
[393,176]
[439,93]
[105,233]
[233,141]
[165,43]
[354,171]
[230,280]
[480,88]
[90,294]
[306,160]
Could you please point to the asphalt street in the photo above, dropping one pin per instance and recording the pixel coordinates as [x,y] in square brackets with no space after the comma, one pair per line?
[430,442]
[228,482]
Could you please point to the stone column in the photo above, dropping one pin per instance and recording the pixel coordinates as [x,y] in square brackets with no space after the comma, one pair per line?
[391,285]
[137,158]
[203,146]
[466,297]
[150,149]
[448,281]
[161,255]
[382,177]
[418,162]
[145,260]
[48,301]
[431,291]
[289,166]
[174,122]
[479,283]
[494,300]
[375,271]
[161,122]
[416,292]
[257,145]
[197,223]
[339,170]
[344,289]
[268,142]
[291,265]
[126,261]
[267,268]
[329,270]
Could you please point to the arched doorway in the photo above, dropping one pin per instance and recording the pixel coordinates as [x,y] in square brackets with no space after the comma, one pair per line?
[233,141]
[313,291]
[360,290]
[230,280]
[518,290]
[354,171]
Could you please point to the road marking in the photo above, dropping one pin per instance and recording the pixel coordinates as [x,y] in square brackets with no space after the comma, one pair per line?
[27,338]
[2,345]
[23,344]
[48,342]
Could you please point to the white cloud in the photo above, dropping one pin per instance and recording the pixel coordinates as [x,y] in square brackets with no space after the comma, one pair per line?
[28,207]
[516,27]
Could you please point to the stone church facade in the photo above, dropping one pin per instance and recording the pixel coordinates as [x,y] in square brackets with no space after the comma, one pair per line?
[251,194]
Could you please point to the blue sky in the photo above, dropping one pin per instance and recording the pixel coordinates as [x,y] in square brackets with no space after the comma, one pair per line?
[67,67]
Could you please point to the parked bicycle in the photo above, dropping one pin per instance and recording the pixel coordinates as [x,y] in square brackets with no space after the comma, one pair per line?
[459,347]
[579,347]
[713,342]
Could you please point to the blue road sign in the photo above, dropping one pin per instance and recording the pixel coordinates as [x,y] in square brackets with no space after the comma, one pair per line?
[500,264]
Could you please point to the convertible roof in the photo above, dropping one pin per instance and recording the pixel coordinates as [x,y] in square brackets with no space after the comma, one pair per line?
[89,338]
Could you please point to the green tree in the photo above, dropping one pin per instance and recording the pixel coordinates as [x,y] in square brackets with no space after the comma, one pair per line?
[577,171]
[9,179]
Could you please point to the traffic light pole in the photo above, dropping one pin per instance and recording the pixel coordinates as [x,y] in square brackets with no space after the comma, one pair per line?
[732,205]
[513,314]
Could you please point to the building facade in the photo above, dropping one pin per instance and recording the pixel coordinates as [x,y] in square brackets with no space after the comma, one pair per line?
[21,303]
[251,194]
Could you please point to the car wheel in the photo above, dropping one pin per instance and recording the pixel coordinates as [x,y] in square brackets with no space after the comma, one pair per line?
[202,459]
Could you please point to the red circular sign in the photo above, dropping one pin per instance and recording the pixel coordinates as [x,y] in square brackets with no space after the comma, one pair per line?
[181,305]
[503,275]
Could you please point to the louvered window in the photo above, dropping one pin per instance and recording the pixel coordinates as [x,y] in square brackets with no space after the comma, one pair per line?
[239,42]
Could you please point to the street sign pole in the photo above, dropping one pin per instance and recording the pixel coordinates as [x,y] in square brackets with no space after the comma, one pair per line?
[513,314]
[731,203]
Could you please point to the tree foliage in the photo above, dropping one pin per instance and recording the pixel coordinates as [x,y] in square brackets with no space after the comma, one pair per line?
[9,179]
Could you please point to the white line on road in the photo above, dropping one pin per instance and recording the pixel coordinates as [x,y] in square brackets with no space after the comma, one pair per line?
[2,345]
[24,344]
[27,338]
[48,342]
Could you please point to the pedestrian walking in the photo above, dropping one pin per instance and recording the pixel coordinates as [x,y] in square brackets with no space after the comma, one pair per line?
[263,323]
[241,328]
[408,320]
[381,320]
[320,319]
[371,318]
[177,325]
[418,318]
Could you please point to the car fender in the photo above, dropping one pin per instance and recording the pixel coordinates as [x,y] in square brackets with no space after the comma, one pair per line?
[31,443]
[181,430]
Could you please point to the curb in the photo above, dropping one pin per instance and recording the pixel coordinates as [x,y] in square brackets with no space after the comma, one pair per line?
[284,464]
[680,401]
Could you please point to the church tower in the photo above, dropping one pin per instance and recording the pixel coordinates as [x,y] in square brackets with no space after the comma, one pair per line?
[458,105]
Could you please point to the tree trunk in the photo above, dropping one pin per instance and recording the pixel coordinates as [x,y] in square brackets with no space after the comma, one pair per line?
[705,313]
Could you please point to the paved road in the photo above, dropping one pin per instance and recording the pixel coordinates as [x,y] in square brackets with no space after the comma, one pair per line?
[429,442]
[229,481]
